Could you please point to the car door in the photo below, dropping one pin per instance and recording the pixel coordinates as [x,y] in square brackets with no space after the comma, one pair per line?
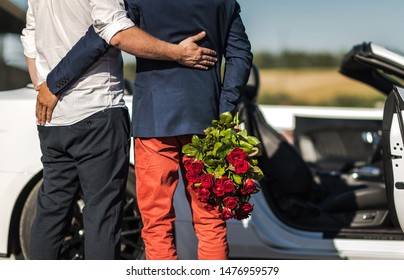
[393,154]
[384,70]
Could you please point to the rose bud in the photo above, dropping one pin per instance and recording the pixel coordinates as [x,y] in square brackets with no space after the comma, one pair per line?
[250,186]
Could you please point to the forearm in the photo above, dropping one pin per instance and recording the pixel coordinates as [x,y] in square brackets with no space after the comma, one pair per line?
[235,79]
[82,55]
[32,70]
[238,64]
[137,42]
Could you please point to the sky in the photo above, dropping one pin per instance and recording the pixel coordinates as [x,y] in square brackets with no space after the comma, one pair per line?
[322,25]
[319,25]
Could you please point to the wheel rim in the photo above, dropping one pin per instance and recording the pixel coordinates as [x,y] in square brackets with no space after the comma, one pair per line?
[132,247]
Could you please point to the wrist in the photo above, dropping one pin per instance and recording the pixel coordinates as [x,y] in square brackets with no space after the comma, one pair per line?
[176,52]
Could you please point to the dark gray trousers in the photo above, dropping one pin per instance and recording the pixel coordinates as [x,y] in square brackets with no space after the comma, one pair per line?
[91,155]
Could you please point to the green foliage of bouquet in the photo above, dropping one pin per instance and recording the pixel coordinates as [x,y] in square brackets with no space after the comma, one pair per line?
[222,168]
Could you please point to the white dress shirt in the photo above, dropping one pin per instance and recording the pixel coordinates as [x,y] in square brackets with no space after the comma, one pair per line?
[52,28]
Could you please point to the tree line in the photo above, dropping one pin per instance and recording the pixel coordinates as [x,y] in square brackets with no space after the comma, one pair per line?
[296,59]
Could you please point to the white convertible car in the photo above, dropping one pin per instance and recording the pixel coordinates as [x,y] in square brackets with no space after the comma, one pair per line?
[337,193]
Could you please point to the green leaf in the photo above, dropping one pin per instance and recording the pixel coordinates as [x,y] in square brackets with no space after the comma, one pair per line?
[216,133]
[237,179]
[199,155]
[243,134]
[216,147]
[258,174]
[223,151]
[195,140]
[213,163]
[247,147]
[234,142]
[210,170]
[208,130]
[227,134]
[253,140]
[190,150]
[226,118]
[219,172]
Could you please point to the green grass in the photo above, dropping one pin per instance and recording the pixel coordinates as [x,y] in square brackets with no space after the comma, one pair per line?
[315,87]
[311,87]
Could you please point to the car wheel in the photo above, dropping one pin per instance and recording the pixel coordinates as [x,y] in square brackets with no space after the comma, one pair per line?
[132,247]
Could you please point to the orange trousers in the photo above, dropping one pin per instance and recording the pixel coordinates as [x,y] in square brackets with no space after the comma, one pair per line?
[157,172]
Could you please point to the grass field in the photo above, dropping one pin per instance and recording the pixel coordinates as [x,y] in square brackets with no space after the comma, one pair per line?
[323,87]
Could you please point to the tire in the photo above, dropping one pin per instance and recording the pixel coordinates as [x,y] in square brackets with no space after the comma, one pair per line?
[132,247]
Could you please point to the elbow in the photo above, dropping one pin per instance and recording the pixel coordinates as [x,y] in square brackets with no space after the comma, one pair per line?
[116,40]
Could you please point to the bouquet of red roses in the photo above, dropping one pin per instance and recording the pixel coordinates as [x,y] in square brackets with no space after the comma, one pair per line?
[222,168]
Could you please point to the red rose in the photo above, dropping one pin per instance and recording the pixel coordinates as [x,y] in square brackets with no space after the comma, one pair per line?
[226,214]
[197,166]
[203,194]
[250,186]
[241,167]
[207,180]
[244,211]
[218,190]
[236,155]
[192,177]
[230,202]
[228,186]
[187,163]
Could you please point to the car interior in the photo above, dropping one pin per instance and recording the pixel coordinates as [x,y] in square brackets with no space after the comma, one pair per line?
[332,178]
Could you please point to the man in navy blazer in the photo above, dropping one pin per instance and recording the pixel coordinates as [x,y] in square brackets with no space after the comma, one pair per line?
[170,104]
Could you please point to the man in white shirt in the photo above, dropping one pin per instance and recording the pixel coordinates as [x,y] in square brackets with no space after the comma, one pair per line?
[85,132]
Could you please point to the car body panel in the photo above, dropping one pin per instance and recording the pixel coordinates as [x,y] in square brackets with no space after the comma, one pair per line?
[20,153]
[11,186]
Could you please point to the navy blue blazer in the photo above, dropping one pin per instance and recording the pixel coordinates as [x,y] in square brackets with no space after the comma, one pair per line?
[170,99]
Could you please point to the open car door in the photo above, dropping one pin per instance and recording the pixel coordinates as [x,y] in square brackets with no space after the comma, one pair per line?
[384,70]
[393,154]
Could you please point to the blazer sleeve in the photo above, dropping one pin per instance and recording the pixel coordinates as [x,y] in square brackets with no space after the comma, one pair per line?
[83,54]
[238,61]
